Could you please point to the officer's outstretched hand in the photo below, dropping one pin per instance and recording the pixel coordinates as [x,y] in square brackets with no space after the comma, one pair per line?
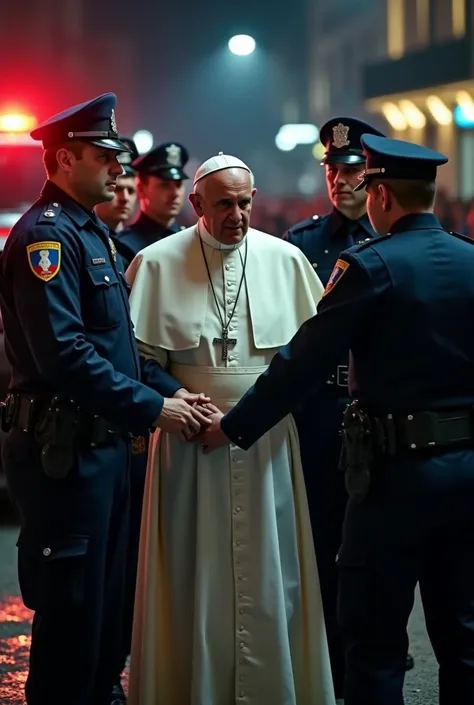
[179,417]
[191,397]
[211,436]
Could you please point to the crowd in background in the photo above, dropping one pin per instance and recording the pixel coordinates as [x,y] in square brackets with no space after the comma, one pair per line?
[455,214]
[276,215]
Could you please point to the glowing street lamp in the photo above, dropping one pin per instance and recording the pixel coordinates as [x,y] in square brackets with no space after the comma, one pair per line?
[242,45]
[143,140]
[292,135]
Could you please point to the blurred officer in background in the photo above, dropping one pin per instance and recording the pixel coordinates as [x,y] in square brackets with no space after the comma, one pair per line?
[160,176]
[117,212]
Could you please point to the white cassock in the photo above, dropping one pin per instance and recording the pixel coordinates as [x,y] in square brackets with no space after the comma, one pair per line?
[228,606]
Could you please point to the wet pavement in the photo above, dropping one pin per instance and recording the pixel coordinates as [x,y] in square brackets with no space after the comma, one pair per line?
[420,688]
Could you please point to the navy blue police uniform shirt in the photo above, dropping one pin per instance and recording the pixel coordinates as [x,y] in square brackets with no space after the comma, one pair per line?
[66,316]
[143,232]
[323,238]
[403,304]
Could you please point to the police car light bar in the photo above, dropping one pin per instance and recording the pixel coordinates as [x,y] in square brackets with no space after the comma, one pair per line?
[17,122]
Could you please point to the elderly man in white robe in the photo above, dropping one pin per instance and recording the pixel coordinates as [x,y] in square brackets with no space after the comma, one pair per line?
[228,607]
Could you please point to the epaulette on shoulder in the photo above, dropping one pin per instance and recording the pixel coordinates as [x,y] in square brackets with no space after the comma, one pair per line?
[305,224]
[460,236]
[369,241]
[50,214]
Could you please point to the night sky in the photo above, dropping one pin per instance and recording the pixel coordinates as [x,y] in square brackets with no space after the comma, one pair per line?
[191,89]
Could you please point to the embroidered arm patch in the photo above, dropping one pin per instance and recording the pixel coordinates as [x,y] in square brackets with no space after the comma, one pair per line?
[44,259]
[337,273]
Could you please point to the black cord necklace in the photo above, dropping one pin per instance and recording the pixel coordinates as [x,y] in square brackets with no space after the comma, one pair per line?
[225,341]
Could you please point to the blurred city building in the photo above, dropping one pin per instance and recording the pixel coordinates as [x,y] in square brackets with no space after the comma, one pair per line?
[344,35]
[424,85]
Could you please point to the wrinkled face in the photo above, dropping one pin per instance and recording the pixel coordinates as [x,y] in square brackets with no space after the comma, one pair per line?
[379,206]
[121,208]
[224,200]
[161,198]
[93,176]
[341,180]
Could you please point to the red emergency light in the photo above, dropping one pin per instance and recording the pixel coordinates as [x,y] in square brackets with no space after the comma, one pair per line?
[17,123]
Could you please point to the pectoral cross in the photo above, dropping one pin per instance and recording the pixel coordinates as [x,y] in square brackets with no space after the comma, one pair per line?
[225,341]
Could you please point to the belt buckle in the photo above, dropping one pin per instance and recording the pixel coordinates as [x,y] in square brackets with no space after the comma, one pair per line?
[138,445]
[342,375]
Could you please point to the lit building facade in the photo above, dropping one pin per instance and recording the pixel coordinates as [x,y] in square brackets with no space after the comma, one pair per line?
[424,86]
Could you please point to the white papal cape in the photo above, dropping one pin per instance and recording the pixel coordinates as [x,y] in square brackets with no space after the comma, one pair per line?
[228,607]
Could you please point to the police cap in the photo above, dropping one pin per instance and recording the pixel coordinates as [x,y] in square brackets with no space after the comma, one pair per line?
[93,121]
[396,159]
[166,161]
[126,158]
[340,137]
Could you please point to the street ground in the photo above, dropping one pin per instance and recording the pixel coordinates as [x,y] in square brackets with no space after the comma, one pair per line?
[420,688]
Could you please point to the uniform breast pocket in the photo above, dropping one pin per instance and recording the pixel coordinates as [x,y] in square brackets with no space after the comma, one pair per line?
[103,307]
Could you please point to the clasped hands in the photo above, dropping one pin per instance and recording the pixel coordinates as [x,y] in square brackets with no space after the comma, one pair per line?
[194,418]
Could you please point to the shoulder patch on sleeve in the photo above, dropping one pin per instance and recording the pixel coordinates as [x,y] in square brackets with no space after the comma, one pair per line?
[337,273]
[44,259]
[50,214]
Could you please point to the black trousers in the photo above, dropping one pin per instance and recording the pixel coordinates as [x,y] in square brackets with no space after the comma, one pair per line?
[417,524]
[71,566]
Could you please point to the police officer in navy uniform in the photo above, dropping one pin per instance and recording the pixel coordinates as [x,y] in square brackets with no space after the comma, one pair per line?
[402,303]
[75,393]
[117,212]
[160,177]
